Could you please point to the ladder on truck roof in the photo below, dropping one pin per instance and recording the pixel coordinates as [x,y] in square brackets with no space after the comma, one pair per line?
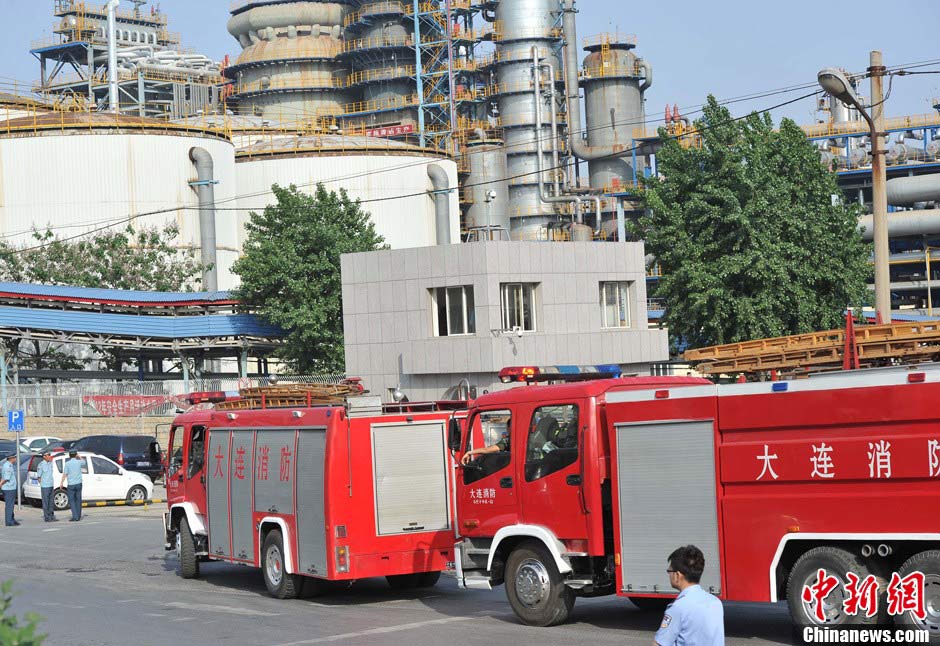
[871,345]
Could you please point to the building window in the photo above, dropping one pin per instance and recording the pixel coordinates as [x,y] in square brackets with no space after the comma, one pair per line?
[517,302]
[453,310]
[615,304]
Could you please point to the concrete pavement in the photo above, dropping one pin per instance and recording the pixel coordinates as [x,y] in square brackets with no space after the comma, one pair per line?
[107,580]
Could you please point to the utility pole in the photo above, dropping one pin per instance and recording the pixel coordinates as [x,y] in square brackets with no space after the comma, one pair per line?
[876,72]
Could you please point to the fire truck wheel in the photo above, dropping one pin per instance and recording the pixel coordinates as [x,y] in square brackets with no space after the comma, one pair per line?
[929,563]
[186,551]
[836,562]
[280,584]
[651,604]
[537,593]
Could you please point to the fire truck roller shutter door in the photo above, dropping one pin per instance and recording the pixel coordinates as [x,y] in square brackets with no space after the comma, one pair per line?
[311,522]
[666,486]
[217,492]
[274,472]
[243,543]
[410,467]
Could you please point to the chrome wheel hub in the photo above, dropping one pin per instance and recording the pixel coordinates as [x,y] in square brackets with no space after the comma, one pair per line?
[532,583]
[274,565]
[831,606]
[179,545]
[931,604]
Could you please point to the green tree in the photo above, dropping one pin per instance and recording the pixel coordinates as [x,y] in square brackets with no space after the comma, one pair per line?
[750,240]
[13,632]
[138,259]
[290,271]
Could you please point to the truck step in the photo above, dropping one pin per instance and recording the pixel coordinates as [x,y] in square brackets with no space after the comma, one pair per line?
[476,581]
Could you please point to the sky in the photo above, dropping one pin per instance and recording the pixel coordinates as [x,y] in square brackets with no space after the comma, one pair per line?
[728,48]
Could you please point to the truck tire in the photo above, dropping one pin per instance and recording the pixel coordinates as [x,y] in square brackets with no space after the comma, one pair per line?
[535,589]
[651,604]
[836,562]
[188,562]
[927,562]
[416,580]
[280,584]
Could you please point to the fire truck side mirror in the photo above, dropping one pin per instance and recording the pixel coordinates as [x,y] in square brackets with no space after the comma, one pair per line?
[453,434]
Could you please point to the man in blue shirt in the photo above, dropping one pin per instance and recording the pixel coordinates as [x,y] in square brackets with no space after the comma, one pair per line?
[8,484]
[695,618]
[47,486]
[72,475]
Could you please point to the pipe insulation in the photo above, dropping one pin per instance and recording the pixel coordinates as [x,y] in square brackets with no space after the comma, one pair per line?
[441,194]
[114,102]
[907,191]
[205,189]
[905,223]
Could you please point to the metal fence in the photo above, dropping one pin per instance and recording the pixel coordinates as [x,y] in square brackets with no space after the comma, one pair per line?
[127,398]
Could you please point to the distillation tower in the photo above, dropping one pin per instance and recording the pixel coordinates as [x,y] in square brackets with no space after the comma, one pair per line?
[497,83]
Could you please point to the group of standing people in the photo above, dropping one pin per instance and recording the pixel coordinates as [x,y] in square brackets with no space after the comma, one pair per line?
[71,481]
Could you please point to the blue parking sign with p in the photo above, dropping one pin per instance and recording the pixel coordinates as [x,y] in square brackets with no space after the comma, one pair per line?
[16,421]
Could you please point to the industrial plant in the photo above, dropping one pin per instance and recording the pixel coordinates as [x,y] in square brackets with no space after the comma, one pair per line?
[493,118]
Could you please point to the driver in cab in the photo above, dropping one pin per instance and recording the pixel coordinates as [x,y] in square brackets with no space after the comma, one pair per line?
[501,445]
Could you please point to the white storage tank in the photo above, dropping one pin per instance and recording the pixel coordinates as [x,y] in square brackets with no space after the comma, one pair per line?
[368,168]
[74,172]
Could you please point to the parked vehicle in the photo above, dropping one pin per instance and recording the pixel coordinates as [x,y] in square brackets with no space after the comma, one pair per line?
[103,480]
[273,489]
[9,446]
[139,453]
[59,446]
[38,443]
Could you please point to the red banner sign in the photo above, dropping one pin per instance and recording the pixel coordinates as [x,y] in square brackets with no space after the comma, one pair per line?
[128,405]
[391,131]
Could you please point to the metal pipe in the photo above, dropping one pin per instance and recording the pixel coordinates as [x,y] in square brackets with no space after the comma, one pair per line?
[907,191]
[647,75]
[113,98]
[884,550]
[904,223]
[556,159]
[867,550]
[205,188]
[573,90]
[441,183]
[537,96]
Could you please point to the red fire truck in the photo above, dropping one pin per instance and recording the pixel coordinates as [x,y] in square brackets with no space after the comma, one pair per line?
[313,493]
[595,483]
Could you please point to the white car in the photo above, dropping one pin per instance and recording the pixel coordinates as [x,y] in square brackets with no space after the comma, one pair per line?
[37,443]
[102,480]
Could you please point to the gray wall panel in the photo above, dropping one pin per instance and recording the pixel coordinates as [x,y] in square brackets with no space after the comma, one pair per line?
[243,545]
[667,500]
[275,457]
[217,470]
[311,522]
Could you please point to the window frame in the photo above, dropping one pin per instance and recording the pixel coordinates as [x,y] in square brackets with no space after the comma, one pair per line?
[467,305]
[624,290]
[489,464]
[95,459]
[529,290]
[569,460]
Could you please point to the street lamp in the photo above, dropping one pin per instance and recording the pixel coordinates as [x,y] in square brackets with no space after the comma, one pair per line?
[835,83]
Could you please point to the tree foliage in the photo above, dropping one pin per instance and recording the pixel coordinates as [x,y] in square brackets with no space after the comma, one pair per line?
[750,240]
[13,631]
[137,259]
[290,271]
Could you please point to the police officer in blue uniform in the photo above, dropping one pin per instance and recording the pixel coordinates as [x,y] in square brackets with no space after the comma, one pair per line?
[72,475]
[46,486]
[8,484]
[696,617]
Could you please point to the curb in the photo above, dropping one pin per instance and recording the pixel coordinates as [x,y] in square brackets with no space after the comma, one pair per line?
[123,503]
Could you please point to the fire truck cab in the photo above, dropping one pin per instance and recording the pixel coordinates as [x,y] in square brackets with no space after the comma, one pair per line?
[312,493]
[588,487]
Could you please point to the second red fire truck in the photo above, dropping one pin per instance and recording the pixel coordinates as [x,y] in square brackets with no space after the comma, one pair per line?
[594,484]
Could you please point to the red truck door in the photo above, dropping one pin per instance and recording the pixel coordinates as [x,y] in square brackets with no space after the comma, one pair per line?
[185,477]
[487,499]
[550,476]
